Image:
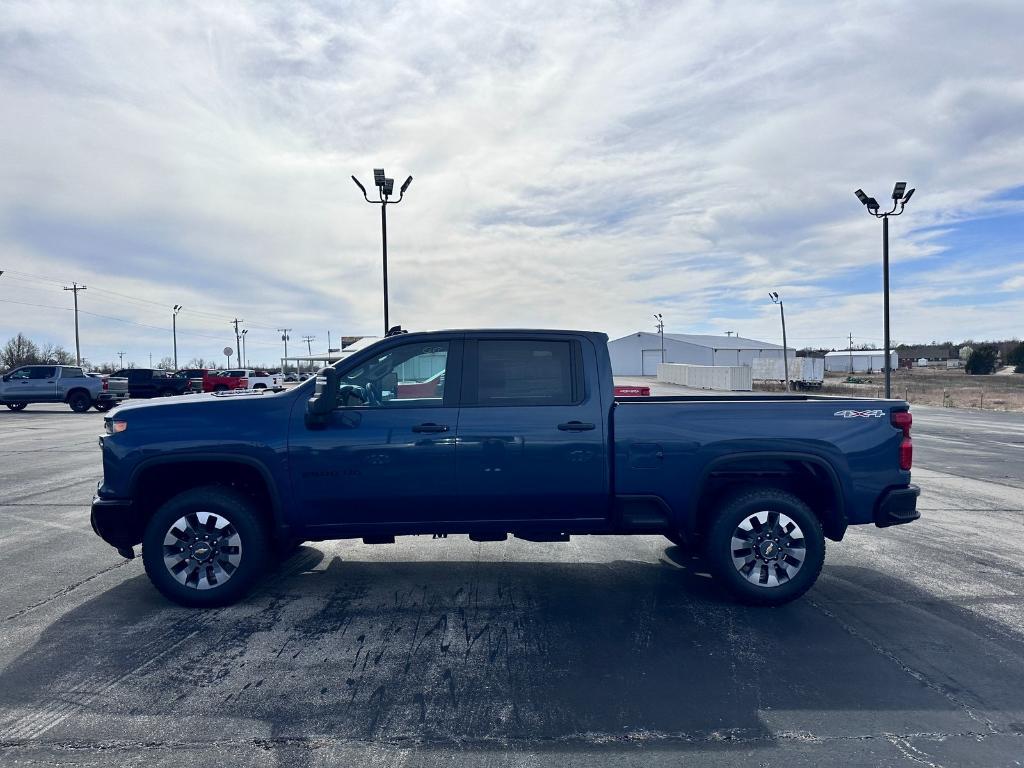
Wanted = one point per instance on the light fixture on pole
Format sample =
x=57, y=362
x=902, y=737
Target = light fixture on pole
x=900, y=197
x=661, y=332
x=174, y=327
x=385, y=188
x=776, y=299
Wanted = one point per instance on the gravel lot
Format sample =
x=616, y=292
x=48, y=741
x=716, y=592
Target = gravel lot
x=605, y=650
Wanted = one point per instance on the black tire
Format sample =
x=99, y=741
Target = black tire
x=16, y=406
x=221, y=388
x=775, y=569
x=103, y=406
x=80, y=402
x=260, y=386
x=242, y=524
x=167, y=393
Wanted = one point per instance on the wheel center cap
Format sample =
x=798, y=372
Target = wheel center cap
x=768, y=549
x=201, y=551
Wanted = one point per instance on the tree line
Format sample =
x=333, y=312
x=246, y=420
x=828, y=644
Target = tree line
x=21, y=350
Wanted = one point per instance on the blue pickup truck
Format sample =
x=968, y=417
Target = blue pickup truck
x=492, y=433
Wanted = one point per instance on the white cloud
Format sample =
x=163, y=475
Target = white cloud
x=575, y=165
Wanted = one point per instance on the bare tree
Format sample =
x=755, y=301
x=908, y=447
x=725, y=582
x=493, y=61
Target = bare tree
x=18, y=351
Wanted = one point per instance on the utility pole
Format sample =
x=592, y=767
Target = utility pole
x=661, y=332
x=121, y=356
x=174, y=330
x=385, y=188
x=238, y=342
x=78, y=347
x=284, y=338
x=150, y=359
x=851, y=351
x=309, y=347
x=245, y=357
x=776, y=299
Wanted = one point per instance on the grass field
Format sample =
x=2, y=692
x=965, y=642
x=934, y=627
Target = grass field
x=929, y=386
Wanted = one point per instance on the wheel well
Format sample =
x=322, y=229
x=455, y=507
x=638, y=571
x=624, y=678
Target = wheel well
x=807, y=480
x=156, y=484
x=76, y=390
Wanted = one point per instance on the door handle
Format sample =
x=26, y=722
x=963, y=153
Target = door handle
x=430, y=427
x=575, y=426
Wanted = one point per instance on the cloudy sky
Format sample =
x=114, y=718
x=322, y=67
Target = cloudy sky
x=576, y=165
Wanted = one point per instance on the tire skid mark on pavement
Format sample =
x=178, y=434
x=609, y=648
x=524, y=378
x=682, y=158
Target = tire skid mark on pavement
x=64, y=591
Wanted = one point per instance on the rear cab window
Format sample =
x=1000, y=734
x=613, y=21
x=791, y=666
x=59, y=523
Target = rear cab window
x=517, y=372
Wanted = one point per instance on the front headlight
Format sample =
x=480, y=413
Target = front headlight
x=113, y=426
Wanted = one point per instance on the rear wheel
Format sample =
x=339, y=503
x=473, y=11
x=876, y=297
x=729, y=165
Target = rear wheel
x=103, y=406
x=220, y=388
x=205, y=547
x=766, y=547
x=80, y=402
x=16, y=406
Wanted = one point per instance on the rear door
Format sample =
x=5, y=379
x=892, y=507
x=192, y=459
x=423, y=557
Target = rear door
x=531, y=443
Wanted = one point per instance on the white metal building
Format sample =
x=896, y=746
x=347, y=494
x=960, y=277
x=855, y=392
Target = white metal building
x=639, y=353
x=860, y=361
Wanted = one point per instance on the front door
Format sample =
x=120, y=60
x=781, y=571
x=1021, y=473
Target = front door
x=41, y=385
x=387, y=454
x=531, y=434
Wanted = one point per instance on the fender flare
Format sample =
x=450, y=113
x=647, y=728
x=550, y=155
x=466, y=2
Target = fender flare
x=834, y=520
x=276, y=509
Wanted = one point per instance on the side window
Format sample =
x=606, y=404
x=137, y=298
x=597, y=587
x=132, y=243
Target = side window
x=42, y=372
x=19, y=375
x=71, y=373
x=526, y=372
x=409, y=375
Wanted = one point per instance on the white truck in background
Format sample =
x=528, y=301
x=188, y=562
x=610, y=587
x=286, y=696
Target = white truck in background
x=804, y=372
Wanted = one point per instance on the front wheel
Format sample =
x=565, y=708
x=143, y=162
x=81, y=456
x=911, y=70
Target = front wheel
x=80, y=402
x=16, y=406
x=766, y=547
x=205, y=547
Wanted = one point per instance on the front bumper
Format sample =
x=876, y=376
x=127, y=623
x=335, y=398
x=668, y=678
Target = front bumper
x=897, y=506
x=114, y=521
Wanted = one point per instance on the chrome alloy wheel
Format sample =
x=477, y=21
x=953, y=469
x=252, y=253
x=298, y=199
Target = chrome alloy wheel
x=202, y=550
x=768, y=548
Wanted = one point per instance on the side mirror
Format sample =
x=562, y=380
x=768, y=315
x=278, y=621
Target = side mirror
x=324, y=400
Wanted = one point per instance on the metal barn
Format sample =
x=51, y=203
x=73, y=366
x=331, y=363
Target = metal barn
x=639, y=353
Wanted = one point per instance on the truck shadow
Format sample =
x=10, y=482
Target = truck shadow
x=429, y=654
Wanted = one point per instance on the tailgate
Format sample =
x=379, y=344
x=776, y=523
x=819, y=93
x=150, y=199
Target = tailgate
x=116, y=384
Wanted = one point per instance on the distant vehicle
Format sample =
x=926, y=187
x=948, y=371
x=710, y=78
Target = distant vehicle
x=804, y=372
x=61, y=384
x=524, y=437
x=240, y=378
x=195, y=377
x=291, y=377
x=153, y=382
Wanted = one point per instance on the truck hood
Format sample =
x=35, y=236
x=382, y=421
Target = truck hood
x=198, y=400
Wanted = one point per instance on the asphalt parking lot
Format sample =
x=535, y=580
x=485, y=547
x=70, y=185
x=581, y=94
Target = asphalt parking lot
x=605, y=650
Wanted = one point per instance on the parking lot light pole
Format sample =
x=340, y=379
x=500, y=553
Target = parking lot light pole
x=776, y=299
x=900, y=197
x=385, y=188
x=174, y=330
x=661, y=332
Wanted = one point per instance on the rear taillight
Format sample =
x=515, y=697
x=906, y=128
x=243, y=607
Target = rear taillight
x=106, y=384
x=903, y=420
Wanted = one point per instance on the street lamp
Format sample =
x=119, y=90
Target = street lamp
x=776, y=299
x=174, y=326
x=900, y=196
x=661, y=331
x=245, y=358
x=385, y=188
